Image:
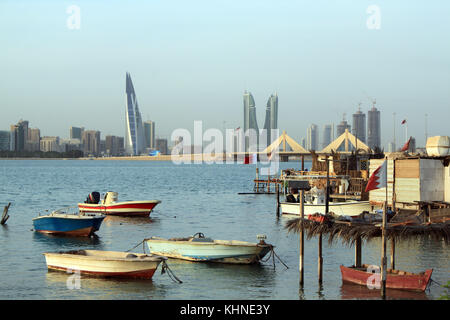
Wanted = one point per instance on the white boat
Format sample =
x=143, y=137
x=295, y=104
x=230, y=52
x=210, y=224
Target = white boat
x=199, y=248
x=104, y=263
x=315, y=203
x=347, y=208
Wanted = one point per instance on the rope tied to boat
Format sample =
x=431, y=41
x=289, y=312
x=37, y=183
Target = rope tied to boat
x=273, y=255
x=165, y=268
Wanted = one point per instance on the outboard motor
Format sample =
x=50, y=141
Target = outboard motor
x=93, y=198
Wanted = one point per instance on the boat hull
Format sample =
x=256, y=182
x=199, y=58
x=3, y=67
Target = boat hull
x=128, y=208
x=69, y=226
x=394, y=280
x=233, y=252
x=104, y=264
x=349, y=208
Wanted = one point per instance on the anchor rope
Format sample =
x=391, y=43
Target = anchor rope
x=273, y=255
x=165, y=268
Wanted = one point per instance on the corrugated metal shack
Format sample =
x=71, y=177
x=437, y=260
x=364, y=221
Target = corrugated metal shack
x=419, y=183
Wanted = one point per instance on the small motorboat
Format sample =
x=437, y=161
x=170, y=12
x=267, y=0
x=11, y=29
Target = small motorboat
x=315, y=203
x=395, y=279
x=200, y=248
x=109, y=205
x=104, y=263
x=65, y=221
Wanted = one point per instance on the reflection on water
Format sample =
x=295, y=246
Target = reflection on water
x=102, y=288
x=357, y=292
x=61, y=243
x=111, y=220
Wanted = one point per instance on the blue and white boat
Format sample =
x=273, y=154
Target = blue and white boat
x=65, y=222
x=200, y=248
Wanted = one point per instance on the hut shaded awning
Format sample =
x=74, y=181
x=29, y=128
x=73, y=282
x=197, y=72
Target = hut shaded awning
x=349, y=232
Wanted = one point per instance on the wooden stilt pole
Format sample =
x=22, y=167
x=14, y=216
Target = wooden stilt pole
x=302, y=245
x=393, y=253
x=278, y=200
x=358, y=253
x=303, y=163
x=320, y=260
x=383, y=254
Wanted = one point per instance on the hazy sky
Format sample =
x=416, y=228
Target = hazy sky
x=192, y=60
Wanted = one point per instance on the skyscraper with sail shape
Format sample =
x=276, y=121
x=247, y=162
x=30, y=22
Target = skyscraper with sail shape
x=134, y=130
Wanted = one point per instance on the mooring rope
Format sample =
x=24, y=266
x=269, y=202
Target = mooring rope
x=143, y=246
x=172, y=275
x=273, y=255
x=164, y=267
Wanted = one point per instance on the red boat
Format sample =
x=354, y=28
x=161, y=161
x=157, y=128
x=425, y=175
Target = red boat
x=395, y=279
x=110, y=206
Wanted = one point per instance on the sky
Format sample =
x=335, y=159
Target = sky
x=193, y=60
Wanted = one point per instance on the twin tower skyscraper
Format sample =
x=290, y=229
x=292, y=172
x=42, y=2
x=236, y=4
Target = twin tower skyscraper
x=250, y=122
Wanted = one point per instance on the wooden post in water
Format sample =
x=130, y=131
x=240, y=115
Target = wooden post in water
x=302, y=245
x=393, y=253
x=278, y=200
x=303, y=163
x=358, y=252
x=257, y=180
x=383, y=252
x=5, y=215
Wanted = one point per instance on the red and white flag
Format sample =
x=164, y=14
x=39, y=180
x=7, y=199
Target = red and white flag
x=378, y=179
x=250, y=159
x=406, y=145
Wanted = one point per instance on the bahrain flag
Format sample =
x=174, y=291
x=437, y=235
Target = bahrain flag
x=378, y=179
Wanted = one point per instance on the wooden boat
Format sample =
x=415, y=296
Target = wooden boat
x=104, y=263
x=199, y=248
x=347, y=208
x=110, y=206
x=395, y=279
x=65, y=222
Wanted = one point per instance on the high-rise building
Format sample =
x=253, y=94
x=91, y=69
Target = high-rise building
x=327, y=136
x=66, y=145
x=76, y=132
x=134, y=131
x=340, y=128
x=113, y=145
x=250, y=122
x=161, y=145
x=4, y=140
x=91, y=142
x=19, y=135
x=34, y=140
x=373, y=128
x=312, y=137
x=149, y=133
x=48, y=144
x=359, y=125
x=271, y=121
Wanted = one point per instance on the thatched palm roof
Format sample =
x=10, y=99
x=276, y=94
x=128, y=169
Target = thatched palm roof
x=350, y=232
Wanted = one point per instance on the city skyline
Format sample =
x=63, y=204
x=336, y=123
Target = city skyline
x=324, y=62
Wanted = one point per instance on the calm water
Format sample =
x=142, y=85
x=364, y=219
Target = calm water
x=195, y=198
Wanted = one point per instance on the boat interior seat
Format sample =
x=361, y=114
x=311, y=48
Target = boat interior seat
x=180, y=239
x=201, y=240
x=130, y=256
